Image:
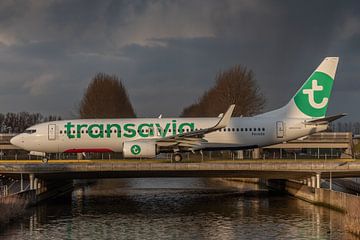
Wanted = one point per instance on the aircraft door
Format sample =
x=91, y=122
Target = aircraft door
x=52, y=131
x=280, y=129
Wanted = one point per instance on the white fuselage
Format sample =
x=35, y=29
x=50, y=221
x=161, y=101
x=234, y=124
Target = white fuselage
x=103, y=135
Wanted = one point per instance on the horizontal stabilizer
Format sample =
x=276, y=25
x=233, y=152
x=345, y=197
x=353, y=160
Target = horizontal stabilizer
x=325, y=120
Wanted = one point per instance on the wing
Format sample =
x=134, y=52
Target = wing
x=193, y=140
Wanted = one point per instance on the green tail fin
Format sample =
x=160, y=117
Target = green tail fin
x=312, y=99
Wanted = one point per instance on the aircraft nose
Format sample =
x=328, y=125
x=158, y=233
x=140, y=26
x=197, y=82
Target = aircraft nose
x=16, y=141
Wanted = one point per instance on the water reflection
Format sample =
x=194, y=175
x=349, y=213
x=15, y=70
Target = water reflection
x=177, y=208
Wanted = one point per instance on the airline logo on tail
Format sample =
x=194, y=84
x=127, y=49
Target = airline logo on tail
x=313, y=97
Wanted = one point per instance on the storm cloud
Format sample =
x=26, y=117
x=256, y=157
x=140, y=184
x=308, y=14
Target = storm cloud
x=168, y=52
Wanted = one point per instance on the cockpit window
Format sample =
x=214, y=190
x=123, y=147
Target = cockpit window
x=30, y=131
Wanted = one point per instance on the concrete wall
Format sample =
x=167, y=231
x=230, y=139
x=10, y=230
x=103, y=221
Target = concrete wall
x=347, y=203
x=25, y=197
x=14, y=205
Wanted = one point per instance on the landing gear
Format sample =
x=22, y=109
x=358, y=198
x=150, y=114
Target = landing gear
x=45, y=160
x=177, y=157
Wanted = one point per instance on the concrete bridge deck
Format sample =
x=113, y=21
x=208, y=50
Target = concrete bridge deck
x=87, y=169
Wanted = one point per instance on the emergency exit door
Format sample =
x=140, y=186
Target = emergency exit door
x=280, y=129
x=52, y=132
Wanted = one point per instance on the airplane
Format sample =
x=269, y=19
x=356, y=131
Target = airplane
x=303, y=115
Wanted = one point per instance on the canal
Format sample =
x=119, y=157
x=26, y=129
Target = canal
x=176, y=208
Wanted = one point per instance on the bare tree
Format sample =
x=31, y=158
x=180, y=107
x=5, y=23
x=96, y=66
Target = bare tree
x=106, y=97
x=236, y=85
x=18, y=122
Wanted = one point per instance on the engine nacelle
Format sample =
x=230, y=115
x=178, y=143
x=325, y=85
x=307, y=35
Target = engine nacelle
x=139, y=149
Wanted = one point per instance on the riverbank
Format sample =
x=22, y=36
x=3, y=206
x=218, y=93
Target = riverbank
x=347, y=203
x=14, y=205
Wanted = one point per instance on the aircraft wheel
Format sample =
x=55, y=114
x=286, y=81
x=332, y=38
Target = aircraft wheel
x=177, y=157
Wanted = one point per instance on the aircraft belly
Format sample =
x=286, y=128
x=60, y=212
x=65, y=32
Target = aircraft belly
x=90, y=146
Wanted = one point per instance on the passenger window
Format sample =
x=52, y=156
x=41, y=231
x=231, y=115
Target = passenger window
x=242, y=129
x=263, y=129
x=64, y=131
x=60, y=131
x=254, y=129
x=245, y=129
x=224, y=129
x=233, y=129
x=237, y=129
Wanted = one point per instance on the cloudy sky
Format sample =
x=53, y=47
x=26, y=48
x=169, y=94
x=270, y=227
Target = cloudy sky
x=168, y=52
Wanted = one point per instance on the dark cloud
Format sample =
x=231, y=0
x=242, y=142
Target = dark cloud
x=168, y=52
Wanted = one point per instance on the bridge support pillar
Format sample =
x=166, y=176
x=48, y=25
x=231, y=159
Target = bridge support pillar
x=42, y=186
x=39, y=185
x=31, y=180
x=313, y=181
x=318, y=180
x=308, y=182
x=21, y=182
x=36, y=183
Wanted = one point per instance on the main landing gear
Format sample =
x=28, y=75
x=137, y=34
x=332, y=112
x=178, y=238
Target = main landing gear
x=177, y=157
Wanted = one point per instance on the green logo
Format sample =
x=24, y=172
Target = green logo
x=127, y=130
x=313, y=97
x=135, y=149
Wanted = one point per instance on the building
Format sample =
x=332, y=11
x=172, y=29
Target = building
x=319, y=145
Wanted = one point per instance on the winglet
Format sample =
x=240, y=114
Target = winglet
x=224, y=121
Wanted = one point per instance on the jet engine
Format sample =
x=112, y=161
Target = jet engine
x=137, y=149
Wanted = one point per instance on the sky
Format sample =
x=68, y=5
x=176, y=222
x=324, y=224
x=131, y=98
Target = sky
x=167, y=53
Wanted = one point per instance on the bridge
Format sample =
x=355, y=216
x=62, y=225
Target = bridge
x=54, y=178
x=87, y=169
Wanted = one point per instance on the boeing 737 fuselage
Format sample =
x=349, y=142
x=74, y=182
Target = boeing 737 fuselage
x=147, y=137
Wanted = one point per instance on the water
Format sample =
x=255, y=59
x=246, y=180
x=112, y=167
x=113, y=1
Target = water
x=176, y=209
